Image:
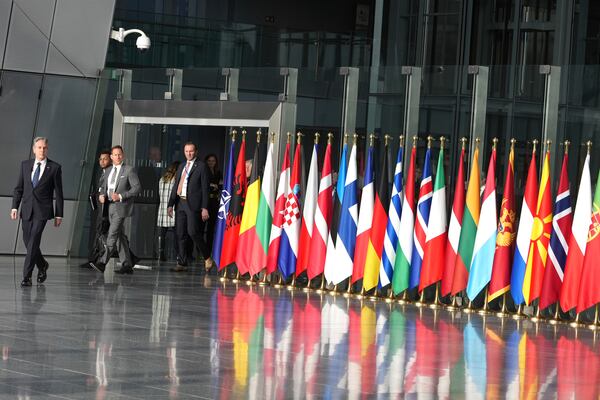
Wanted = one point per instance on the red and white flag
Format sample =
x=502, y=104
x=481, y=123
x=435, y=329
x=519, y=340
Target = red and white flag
x=322, y=221
x=308, y=214
x=569, y=291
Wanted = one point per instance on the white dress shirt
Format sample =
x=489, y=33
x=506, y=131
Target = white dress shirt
x=112, y=186
x=185, y=175
x=42, y=167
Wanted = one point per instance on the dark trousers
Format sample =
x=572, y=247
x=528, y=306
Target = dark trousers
x=189, y=225
x=32, y=237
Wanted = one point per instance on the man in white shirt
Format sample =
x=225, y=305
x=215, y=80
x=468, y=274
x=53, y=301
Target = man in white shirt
x=190, y=197
x=118, y=188
x=39, y=181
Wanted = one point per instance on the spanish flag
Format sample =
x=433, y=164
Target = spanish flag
x=248, y=244
x=540, y=237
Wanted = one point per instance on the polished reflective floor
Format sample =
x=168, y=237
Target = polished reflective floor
x=161, y=335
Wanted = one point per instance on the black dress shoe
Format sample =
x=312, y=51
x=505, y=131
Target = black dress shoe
x=98, y=266
x=41, y=277
x=124, y=270
x=26, y=282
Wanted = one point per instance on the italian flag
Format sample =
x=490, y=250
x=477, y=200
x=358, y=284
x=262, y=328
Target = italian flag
x=433, y=258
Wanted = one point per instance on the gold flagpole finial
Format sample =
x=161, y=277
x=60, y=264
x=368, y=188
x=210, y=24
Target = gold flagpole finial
x=429, y=141
x=387, y=139
x=317, y=136
x=329, y=138
x=589, y=146
x=355, y=138
x=548, y=144
x=442, y=142
x=494, y=143
x=243, y=134
x=233, y=133
x=415, y=139
x=299, y=136
x=346, y=136
x=512, y=143
x=567, y=143
x=258, y=134
x=535, y=142
x=401, y=141
x=463, y=142
x=372, y=139
x=289, y=136
x=272, y=137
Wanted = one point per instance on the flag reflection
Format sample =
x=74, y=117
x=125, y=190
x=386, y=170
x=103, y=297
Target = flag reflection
x=275, y=344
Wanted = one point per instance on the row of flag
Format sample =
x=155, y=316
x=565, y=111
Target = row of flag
x=387, y=240
x=305, y=347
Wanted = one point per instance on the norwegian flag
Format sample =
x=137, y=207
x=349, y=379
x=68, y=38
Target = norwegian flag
x=561, y=234
x=422, y=220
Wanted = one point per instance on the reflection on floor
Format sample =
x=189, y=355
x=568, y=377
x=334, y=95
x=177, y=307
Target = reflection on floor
x=158, y=334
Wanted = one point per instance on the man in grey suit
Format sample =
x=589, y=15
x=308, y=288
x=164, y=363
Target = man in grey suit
x=39, y=181
x=118, y=188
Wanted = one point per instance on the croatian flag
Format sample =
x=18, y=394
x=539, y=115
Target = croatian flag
x=288, y=253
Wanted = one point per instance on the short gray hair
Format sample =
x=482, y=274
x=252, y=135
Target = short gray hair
x=38, y=138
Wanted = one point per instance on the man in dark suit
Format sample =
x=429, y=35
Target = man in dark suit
x=39, y=181
x=190, y=199
x=118, y=187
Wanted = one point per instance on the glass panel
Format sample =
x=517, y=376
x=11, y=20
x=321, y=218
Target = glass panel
x=64, y=117
x=18, y=105
x=26, y=46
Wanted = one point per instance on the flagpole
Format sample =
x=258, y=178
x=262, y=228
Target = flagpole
x=594, y=325
x=421, y=300
x=436, y=302
x=556, y=319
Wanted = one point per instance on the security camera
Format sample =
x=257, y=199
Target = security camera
x=142, y=42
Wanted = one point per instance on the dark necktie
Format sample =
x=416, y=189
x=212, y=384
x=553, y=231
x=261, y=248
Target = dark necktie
x=113, y=178
x=36, y=175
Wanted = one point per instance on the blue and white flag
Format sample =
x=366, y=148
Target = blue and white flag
x=338, y=265
x=223, y=207
x=392, y=231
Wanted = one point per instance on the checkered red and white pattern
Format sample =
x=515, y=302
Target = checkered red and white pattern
x=292, y=211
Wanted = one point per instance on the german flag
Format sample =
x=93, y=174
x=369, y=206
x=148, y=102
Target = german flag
x=375, y=249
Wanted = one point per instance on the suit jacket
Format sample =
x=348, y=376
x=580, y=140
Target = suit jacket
x=37, y=203
x=197, y=186
x=127, y=185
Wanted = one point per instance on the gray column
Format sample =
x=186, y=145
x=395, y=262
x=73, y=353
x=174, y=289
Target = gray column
x=175, y=80
x=412, y=102
x=350, y=99
x=550, y=117
x=232, y=77
x=478, y=109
